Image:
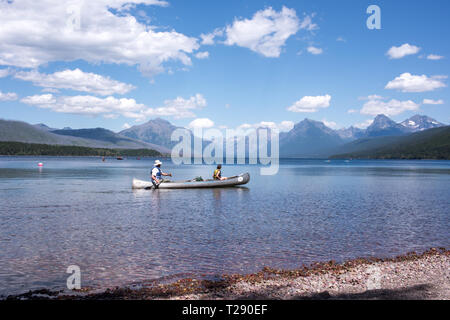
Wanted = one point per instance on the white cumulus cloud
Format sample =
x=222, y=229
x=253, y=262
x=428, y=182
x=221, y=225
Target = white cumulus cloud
x=76, y=80
x=10, y=96
x=87, y=105
x=434, y=57
x=286, y=125
x=202, y=55
x=34, y=33
x=311, y=104
x=330, y=124
x=402, y=51
x=307, y=23
x=179, y=107
x=390, y=108
x=407, y=82
x=431, y=101
x=111, y=107
x=314, y=50
x=208, y=38
x=266, y=32
x=201, y=123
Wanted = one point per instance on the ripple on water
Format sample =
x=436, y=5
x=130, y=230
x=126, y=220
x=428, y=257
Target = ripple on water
x=77, y=212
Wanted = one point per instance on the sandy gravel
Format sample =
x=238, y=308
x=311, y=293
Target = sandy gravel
x=427, y=277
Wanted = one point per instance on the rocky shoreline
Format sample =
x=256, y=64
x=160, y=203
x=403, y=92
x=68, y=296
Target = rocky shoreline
x=410, y=276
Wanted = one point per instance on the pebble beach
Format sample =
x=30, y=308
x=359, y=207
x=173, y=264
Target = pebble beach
x=412, y=276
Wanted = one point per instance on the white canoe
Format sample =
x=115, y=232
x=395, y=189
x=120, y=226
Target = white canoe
x=230, y=182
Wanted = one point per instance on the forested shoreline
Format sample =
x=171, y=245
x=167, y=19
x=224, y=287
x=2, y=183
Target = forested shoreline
x=32, y=149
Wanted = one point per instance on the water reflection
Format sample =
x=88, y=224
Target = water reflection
x=84, y=212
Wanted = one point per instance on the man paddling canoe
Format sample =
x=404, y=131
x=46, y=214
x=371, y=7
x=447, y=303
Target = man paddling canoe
x=157, y=174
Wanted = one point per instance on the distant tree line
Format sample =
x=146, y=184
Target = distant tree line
x=419, y=155
x=33, y=149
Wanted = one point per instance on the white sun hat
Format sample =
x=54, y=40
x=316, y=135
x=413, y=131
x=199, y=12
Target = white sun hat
x=157, y=162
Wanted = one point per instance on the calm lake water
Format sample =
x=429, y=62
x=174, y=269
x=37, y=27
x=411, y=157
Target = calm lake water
x=83, y=212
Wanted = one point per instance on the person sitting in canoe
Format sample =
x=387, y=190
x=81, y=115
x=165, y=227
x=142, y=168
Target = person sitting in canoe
x=157, y=174
x=218, y=173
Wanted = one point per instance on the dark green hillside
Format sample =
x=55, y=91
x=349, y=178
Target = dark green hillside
x=428, y=144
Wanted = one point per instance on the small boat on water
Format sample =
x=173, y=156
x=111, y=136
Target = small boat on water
x=119, y=158
x=191, y=184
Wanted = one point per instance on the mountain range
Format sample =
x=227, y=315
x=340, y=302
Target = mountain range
x=312, y=139
x=307, y=139
x=95, y=138
x=157, y=131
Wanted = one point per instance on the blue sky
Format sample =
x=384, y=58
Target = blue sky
x=115, y=64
